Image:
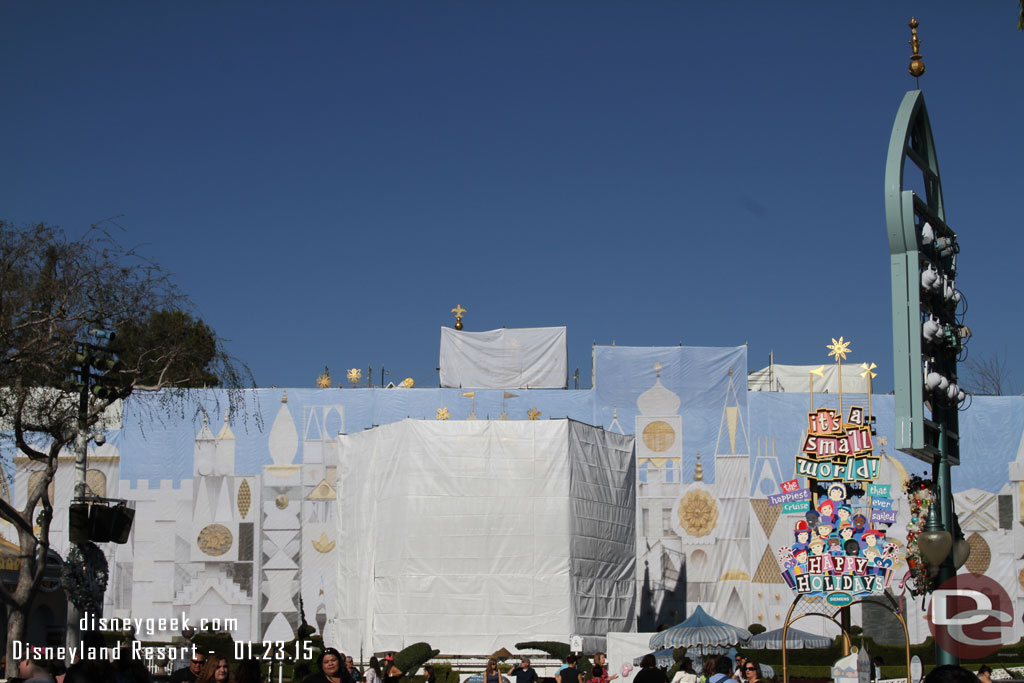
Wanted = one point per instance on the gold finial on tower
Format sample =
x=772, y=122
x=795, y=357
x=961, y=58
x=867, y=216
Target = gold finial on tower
x=458, y=311
x=324, y=380
x=698, y=471
x=916, y=64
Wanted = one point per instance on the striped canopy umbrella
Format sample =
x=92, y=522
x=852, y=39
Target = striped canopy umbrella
x=795, y=638
x=701, y=634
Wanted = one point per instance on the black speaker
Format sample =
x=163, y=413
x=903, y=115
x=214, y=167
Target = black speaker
x=101, y=519
x=122, y=524
x=78, y=523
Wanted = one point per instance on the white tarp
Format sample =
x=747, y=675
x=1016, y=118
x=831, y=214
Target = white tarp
x=526, y=357
x=797, y=378
x=475, y=535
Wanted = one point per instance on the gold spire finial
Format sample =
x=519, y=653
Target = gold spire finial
x=916, y=64
x=458, y=311
x=324, y=380
x=698, y=471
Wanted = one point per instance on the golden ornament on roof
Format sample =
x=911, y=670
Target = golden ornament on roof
x=459, y=311
x=443, y=414
x=354, y=375
x=408, y=383
x=324, y=380
x=533, y=414
x=838, y=349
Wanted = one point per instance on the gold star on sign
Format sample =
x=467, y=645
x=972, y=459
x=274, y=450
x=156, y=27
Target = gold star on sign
x=533, y=413
x=868, y=370
x=838, y=349
x=443, y=414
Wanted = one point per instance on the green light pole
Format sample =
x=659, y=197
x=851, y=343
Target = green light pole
x=928, y=331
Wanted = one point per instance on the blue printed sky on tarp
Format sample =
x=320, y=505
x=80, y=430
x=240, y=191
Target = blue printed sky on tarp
x=156, y=445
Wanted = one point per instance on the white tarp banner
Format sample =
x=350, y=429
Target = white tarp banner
x=797, y=378
x=526, y=357
x=475, y=535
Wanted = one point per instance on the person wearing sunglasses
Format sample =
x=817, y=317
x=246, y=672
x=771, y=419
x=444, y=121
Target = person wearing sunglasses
x=751, y=671
x=191, y=672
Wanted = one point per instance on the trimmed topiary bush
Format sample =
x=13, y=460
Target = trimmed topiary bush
x=413, y=657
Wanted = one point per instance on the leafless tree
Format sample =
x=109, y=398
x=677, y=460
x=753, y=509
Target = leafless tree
x=988, y=376
x=53, y=292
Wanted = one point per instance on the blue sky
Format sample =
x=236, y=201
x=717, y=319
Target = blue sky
x=327, y=179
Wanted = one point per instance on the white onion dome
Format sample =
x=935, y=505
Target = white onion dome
x=658, y=400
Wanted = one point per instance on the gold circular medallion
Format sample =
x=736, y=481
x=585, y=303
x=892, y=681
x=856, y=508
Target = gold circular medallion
x=659, y=436
x=698, y=513
x=215, y=540
x=281, y=501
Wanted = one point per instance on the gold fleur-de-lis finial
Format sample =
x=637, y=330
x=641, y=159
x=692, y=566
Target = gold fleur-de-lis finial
x=324, y=380
x=869, y=370
x=916, y=68
x=838, y=349
x=354, y=375
x=443, y=414
x=459, y=311
x=533, y=414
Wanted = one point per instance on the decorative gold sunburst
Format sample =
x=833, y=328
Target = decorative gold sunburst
x=354, y=375
x=324, y=381
x=838, y=349
x=533, y=414
x=214, y=539
x=443, y=414
x=698, y=513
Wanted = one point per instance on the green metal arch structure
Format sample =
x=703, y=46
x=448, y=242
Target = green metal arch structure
x=917, y=425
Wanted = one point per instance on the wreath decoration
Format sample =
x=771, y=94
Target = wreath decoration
x=84, y=577
x=920, y=494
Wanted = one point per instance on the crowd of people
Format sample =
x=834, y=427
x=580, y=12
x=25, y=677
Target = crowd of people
x=333, y=666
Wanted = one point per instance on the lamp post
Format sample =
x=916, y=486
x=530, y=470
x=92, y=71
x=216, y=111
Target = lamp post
x=929, y=334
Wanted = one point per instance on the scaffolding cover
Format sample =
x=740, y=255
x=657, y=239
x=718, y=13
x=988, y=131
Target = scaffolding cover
x=471, y=535
x=526, y=357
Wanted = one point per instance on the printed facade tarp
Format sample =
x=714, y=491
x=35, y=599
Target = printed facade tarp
x=239, y=519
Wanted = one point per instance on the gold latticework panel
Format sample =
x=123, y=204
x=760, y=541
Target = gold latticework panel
x=981, y=554
x=768, y=571
x=244, y=499
x=767, y=514
x=659, y=436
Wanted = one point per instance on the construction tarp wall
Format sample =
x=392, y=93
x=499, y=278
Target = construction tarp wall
x=797, y=378
x=527, y=357
x=473, y=535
